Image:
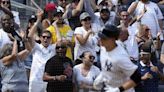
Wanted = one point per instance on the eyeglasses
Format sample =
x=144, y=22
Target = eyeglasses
x=62, y=47
x=5, y=2
x=87, y=19
x=48, y=37
x=91, y=57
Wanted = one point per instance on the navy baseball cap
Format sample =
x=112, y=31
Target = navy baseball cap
x=109, y=31
x=104, y=8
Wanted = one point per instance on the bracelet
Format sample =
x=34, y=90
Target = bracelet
x=121, y=89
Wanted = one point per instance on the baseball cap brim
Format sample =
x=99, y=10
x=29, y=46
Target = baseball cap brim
x=144, y=53
x=84, y=15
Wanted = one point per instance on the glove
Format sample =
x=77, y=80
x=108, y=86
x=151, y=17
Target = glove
x=111, y=89
x=98, y=83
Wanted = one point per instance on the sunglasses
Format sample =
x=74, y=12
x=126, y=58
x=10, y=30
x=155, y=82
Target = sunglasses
x=87, y=19
x=91, y=57
x=147, y=29
x=48, y=37
x=5, y=2
x=62, y=47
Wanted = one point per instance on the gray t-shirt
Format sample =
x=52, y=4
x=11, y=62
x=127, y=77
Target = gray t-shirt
x=162, y=49
x=14, y=77
x=1, y=14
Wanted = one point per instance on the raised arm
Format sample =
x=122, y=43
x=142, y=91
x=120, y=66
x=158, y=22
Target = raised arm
x=132, y=7
x=23, y=54
x=93, y=4
x=34, y=28
x=89, y=9
x=7, y=11
x=71, y=11
x=161, y=2
x=78, y=9
x=7, y=60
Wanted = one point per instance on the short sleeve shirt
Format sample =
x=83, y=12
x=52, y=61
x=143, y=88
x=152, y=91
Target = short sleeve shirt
x=4, y=38
x=40, y=56
x=91, y=43
x=14, y=77
x=162, y=49
x=116, y=66
x=91, y=76
x=58, y=66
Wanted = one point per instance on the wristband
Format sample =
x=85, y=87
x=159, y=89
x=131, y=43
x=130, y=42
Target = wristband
x=121, y=89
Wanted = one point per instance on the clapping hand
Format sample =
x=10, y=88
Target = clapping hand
x=147, y=76
x=90, y=31
x=61, y=77
x=154, y=69
x=68, y=71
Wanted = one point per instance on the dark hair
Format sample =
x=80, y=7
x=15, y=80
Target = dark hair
x=111, y=31
x=46, y=31
x=75, y=0
x=83, y=54
x=122, y=10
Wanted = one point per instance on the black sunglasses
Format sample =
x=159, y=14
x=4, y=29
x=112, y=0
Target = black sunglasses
x=62, y=47
x=91, y=57
x=48, y=37
x=5, y=2
x=147, y=29
x=87, y=19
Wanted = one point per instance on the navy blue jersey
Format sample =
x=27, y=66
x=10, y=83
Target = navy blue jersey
x=149, y=85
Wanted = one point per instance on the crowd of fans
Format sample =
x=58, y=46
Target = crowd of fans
x=65, y=44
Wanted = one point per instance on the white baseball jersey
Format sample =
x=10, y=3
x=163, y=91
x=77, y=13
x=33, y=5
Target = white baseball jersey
x=116, y=67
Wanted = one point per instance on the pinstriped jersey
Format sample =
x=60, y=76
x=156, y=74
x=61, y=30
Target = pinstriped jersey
x=116, y=66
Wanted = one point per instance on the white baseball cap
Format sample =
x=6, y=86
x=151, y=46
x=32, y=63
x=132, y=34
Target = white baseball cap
x=99, y=1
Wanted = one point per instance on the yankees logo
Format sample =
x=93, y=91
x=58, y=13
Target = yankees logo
x=108, y=65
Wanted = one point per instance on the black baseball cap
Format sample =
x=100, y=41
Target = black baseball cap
x=109, y=31
x=32, y=18
x=58, y=11
x=104, y=8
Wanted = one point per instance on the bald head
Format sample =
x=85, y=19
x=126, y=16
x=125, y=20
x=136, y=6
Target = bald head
x=61, y=49
x=123, y=36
